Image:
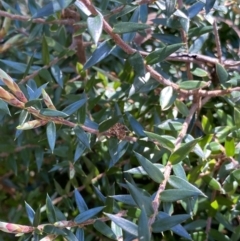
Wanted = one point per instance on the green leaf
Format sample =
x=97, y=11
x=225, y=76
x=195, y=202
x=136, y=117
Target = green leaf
x=45, y=51
x=84, y=216
x=82, y=136
x=136, y=61
x=95, y=25
x=153, y=172
x=172, y=195
x=104, y=229
x=37, y=217
x=51, y=135
x=212, y=183
x=182, y=152
x=178, y=182
x=136, y=126
x=80, y=148
x=82, y=206
x=50, y=229
x=167, y=223
x=69, y=236
x=72, y=108
x=192, y=84
x=182, y=108
x=53, y=113
x=57, y=74
x=229, y=146
x=162, y=140
x=200, y=72
x=178, y=229
x=125, y=224
x=222, y=74
x=128, y=27
x=101, y=52
x=127, y=199
x=162, y=53
x=140, y=171
x=4, y=107
x=30, y=212
x=236, y=114
x=116, y=150
x=167, y=97
x=140, y=199
x=143, y=229
x=50, y=210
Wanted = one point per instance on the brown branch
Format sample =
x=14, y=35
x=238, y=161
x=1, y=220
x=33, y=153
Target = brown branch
x=35, y=20
x=31, y=76
x=157, y=201
x=217, y=39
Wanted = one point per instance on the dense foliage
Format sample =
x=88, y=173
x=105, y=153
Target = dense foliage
x=119, y=120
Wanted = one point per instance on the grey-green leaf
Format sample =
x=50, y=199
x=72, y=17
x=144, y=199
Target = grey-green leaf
x=153, y=172
x=125, y=224
x=51, y=135
x=127, y=27
x=53, y=113
x=95, y=24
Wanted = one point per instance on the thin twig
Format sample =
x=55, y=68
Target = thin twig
x=31, y=76
x=217, y=39
x=35, y=20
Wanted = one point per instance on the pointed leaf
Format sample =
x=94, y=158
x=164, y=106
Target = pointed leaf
x=45, y=51
x=4, y=107
x=178, y=182
x=222, y=74
x=167, y=223
x=140, y=171
x=140, y=199
x=127, y=27
x=101, y=52
x=104, y=229
x=72, y=108
x=162, y=140
x=84, y=216
x=162, y=53
x=82, y=136
x=153, y=172
x=172, y=195
x=51, y=135
x=192, y=84
x=178, y=229
x=53, y=113
x=167, y=97
x=50, y=210
x=95, y=25
x=30, y=212
x=143, y=229
x=182, y=152
x=125, y=224
x=57, y=74
x=136, y=126
x=82, y=206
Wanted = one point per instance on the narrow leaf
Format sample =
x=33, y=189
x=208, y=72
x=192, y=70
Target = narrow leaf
x=153, y=172
x=30, y=212
x=51, y=135
x=95, y=25
x=182, y=152
x=167, y=223
x=125, y=224
x=82, y=206
x=53, y=113
x=127, y=27
x=84, y=216
x=140, y=199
